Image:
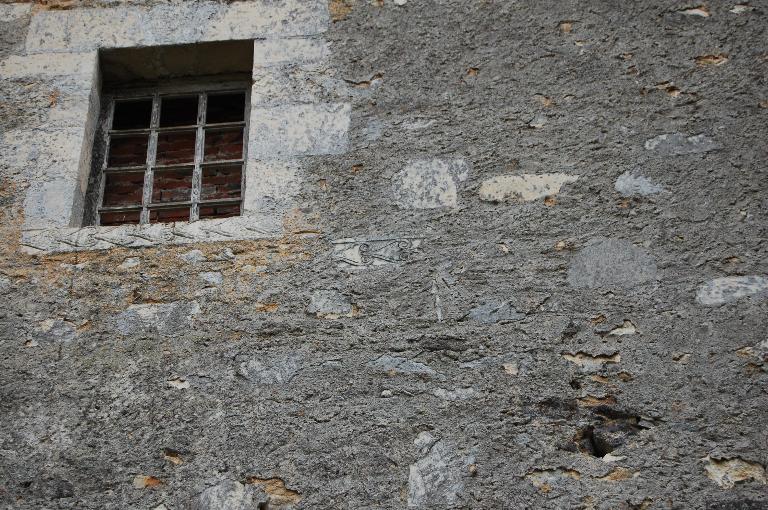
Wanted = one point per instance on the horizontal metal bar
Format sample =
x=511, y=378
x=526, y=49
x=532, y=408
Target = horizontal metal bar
x=124, y=169
x=223, y=162
x=168, y=205
x=221, y=201
x=179, y=166
x=127, y=208
x=170, y=129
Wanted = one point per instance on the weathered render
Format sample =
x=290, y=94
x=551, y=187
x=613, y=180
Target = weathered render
x=494, y=254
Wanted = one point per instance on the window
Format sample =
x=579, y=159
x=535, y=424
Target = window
x=173, y=156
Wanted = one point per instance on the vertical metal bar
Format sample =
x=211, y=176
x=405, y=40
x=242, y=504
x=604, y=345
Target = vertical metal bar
x=246, y=136
x=197, y=173
x=146, y=197
x=105, y=162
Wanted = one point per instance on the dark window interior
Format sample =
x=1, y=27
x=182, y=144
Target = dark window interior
x=172, y=143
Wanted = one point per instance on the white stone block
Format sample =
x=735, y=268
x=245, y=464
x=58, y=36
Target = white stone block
x=176, y=23
x=50, y=65
x=298, y=130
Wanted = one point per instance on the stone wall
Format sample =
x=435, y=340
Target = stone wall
x=501, y=255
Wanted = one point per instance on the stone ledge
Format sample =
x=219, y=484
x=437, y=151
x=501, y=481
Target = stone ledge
x=241, y=228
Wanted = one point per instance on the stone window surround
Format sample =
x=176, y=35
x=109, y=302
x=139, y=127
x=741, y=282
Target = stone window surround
x=296, y=124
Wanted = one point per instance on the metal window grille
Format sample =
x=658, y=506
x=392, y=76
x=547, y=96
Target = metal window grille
x=185, y=164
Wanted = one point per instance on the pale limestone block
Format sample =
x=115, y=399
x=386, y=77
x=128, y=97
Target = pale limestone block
x=289, y=83
x=50, y=65
x=298, y=130
x=270, y=186
x=177, y=23
x=49, y=204
x=56, y=240
x=526, y=187
x=41, y=152
x=731, y=288
x=272, y=52
x=14, y=11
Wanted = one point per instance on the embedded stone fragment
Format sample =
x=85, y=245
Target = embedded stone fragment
x=429, y=184
x=491, y=313
x=436, y=480
x=544, y=479
x=393, y=364
x=229, y=495
x=611, y=262
x=280, y=497
x=271, y=371
x=162, y=318
x=526, y=187
x=211, y=278
x=192, y=256
x=727, y=472
x=678, y=144
x=731, y=288
x=629, y=185
x=329, y=304
x=358, y=253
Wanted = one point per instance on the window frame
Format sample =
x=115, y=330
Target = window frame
x=203, y=90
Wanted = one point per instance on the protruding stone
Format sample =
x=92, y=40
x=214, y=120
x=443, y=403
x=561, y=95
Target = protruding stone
x=491, y=313
x=611, y=263
x=678, y=144
x=526, y=187
x=629, y=185
x=329, y=304
x=731, y=288
x=229, y=495
x=728, y=472
x=268, y=371
x=436, y=480
x=163, y=318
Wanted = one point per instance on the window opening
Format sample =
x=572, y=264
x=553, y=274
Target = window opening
x=174, y=157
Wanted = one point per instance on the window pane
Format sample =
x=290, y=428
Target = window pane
x=226, y=108
x=219, y=211
x=221, y=182
x=172, y=185
x=178, y=111
x=120, y=218
x=168, y=215
x=223, y=144
x=128, y=150
x=176, y=148
x=121, y=189
x=135, y=114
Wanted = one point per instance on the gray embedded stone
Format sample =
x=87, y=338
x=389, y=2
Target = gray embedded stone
x=437, y=479
x=193, y=256
x=229, y=495
x=731, y=288
x=56, y=330
x=429, y=184
x=629, y=185
x=169, y=319
x=388, y=363
x=678, y=144
x=526, y=187
x=329, y=304
x=491, y=313
x=212, y=278
x=267, y=371
x=611, y=263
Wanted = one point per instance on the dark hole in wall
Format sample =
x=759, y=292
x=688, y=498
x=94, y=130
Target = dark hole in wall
x=178, y=111
x=225, y=108
x=136, y=114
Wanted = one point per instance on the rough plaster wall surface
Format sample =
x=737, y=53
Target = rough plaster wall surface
x=532, y=273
